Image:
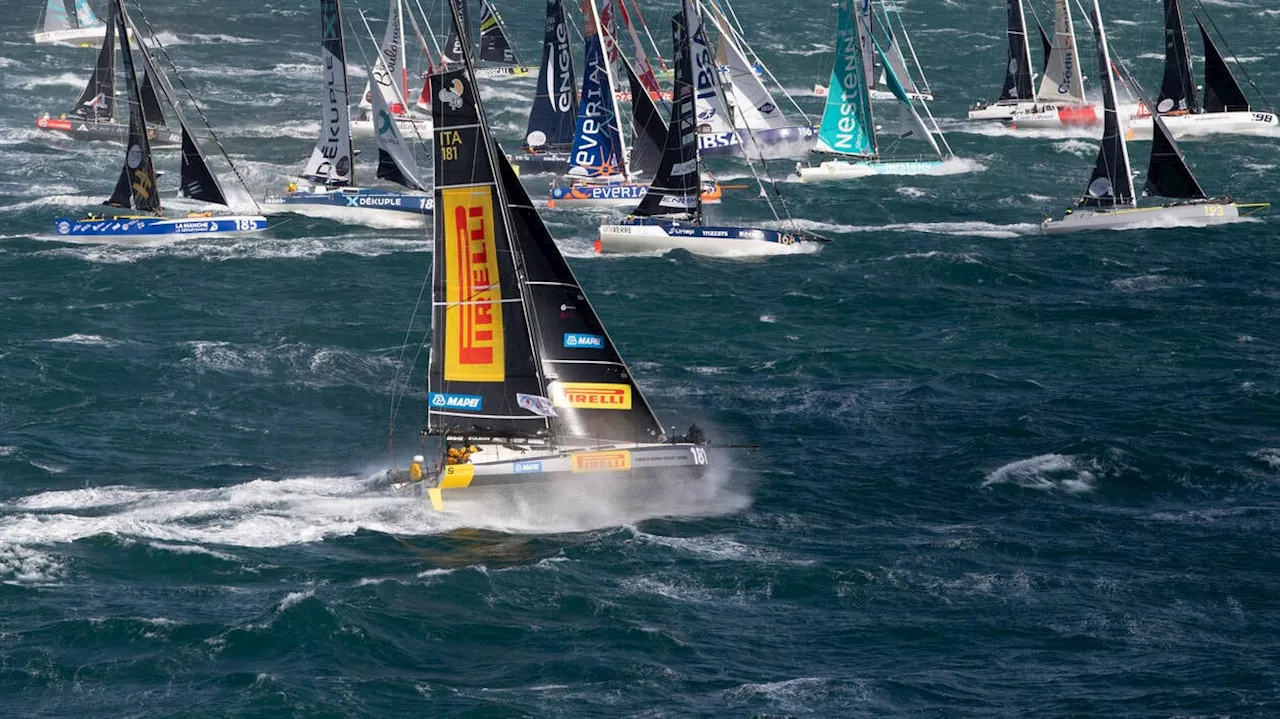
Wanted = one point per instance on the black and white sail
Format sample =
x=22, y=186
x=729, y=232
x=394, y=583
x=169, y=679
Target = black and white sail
x=1046, y=45
x=676, y=189
x=517, y=350
x=331, y=162
x=452, y=50
x=1112, y=180
x=648, y=129
x=98, y=101
x=553, y=116
x=1178, y=89
x=136, y=187
x=1168, y=174
x=150, y=101
x=395, y=155
x=1221, y=91
x=494, y=45
x=1017, y=77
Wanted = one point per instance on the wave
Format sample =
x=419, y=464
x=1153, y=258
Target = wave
x=88, y=340
x=964, y=229
x=1046, y=472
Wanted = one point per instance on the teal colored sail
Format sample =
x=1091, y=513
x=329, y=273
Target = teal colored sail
x=847, y=126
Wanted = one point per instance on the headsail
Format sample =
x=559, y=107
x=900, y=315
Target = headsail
x=98, y=100
x=676, y=188
x=648, y=131
x=1046, y=45
x=847, y=125
x=331, y=161
x=1017, y=77
x=866, y=40
x=395, y=156
x=389, y=71
x=84, y=15
x=136, y=187
x=598, y=149
x=494, y=45
x=150, y=102
x=912, y=125
x=1221, y=91
x=1168, y=174
x=551, y=121
x=56, y=17
x=1112, y=179
x=1178, y=90
x=753, y=106
x=198, y=182
x=1062, y=81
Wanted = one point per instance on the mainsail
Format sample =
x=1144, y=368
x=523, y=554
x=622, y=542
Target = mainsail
x=754, y=107
x=98, y=100
x=551, y=121
x=389, y=70
x=598, y=149
x=642, y=66
x=331, y=161
x=847, y=125
x=1112, y=179
x=453, y=42
x=511, y=326
x=56, y=17
x=866, y=41
x=494, y=45
x=84, y=15
x=712, y=111
x=1017, y=77
x=676, y=188
x=1221, y=91
x=1178, y=90
x=1062, y=81
x=395, y=156
x=136, y=187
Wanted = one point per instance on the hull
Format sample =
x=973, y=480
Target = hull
x=83, y=131
x=793, y=141
x=84, y=36
x=621, y=194
x=505, y=71
x=877, y=94
x=1205, y=123
x=409, y=127
x=702, y=240
x=108, y=229
x=1057, y=116
x=846, y=170
x=534, y=162
x=357, y=205
x=1213, y=212
x=1000, y=110
x=507, y=467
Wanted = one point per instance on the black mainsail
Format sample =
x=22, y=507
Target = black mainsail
x=452, y=51
x=1017, y=80
x=676, y=189
x=1221, y=91
x=1046, y=45
x=136, y=187
x=1112, y=180
x=150, y=102
x=98, y=101
x=1177, y=90
x=494, y=45
x=649, y=131
x=553, y=117
x=1168, y=174
x=517, y=350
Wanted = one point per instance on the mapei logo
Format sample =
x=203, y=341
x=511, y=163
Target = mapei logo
x=526, y=467
x=591, y=395
x=583, y=342
x=614, y=461
x=440, y=400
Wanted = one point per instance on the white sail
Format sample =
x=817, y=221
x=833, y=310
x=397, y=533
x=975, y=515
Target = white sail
x=389, y=70
x=331, y=161
x=753, y=106
x=710, y=103
x=1062, y=81
x=395, y=156
x=55, y=17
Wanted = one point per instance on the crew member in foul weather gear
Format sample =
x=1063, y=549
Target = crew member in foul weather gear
x=461, y=454
x=415, y=469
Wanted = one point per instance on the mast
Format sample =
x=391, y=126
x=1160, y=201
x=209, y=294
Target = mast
x=1062, y=81
x=331, y=161
x=1177, y=90
x=847, y=126
x=1111, y=183
x=1017, y=78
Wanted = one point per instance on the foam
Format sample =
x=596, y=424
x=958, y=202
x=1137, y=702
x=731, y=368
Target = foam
x=1045, y=472
x=965, y=229
x=88, y=340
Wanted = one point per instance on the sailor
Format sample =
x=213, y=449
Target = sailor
x=415, y=468
x=460, y=454
x=293, y=187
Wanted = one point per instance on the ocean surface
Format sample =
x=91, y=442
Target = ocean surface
x=1001, y=474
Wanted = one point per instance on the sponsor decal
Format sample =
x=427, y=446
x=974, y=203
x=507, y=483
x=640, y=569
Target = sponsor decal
x=64, y=227
x=581, y=341
x=439, y=400
x=707, y=141
x=452, y=95
x=613, y=461
x=591, y=395
x=473, y=318
x=526, y=467
x=537, y=404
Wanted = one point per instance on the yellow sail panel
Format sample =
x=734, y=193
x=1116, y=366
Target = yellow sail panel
x=473, y=319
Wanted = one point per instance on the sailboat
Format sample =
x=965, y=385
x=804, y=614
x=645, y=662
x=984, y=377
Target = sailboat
x=390, y=79
x=1109, y=201
x=601, y=170
x=670, y=213
x=94, y=115
x=136, y=189
x=521, y=368
x=77, y=26
x=497, y=53
x=1059, y=101
x=879, y=82
x=549, y=135
x=1225, y=108
x=848, y=128
x=332, y=191
x=1016, y=93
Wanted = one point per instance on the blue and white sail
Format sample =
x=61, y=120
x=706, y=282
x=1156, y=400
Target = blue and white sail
x=753, y=105
x=713, y=114
x=848, y=127
x=332, y=162
x=598, y=147
x=551, y=120
x=85, y=16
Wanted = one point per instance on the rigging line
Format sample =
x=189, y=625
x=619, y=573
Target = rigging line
x=164, y=51
x=431, y=33
x=912, y=48
x=502, y=27
x=396, y=399
x=742, y=43
x=645, y=25
x=391, y=73
x=1240, y=65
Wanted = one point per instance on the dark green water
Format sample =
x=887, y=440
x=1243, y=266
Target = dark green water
x=1002, y=474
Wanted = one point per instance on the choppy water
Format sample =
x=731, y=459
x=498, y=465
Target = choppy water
x=1002, y=474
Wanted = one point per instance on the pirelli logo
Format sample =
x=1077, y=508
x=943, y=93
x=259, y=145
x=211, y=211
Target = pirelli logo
x=590, y=395
x=614, y=461
x=473, y=317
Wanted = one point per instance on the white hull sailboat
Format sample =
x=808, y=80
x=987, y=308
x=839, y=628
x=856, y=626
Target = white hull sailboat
x=1016, y=93
x=1110, y=202
x=1059, y=101
x=1205, y=123
x=525, y=389
x=75, y=25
